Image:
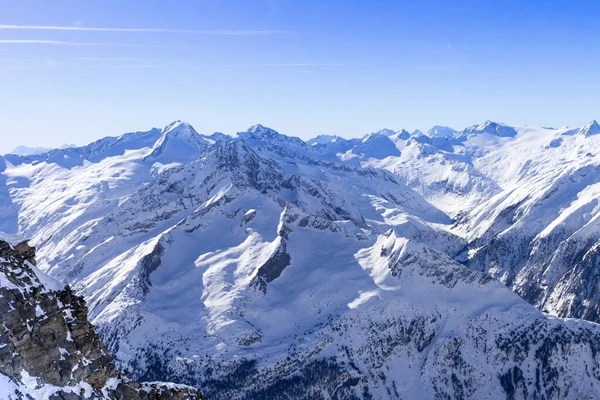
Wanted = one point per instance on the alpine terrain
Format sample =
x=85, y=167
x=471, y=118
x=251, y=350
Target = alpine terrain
x=440, y=265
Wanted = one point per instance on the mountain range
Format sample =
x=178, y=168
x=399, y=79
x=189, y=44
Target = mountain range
x=446, y=264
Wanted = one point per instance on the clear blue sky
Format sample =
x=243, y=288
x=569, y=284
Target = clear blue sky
x=303, y=67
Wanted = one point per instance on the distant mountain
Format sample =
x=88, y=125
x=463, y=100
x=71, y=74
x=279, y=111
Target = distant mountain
x=178, y=142
x=384, y=132
x=376, y=145
x=323, y=140
x=28, y=151
x=492, y=128
x=442, y=132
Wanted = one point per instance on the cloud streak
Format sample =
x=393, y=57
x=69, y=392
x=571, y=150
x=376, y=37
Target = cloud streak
x=130, y=66
x=204, y=63
x=290, y=65
x=53, y=42
x=142, y=30
x=69, y=43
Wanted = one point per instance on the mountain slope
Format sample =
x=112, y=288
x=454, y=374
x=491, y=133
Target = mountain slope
x=523, y=197
x=48, y=349
x=436, y=169
x=539, y=234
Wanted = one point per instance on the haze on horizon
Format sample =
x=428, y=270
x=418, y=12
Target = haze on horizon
x=72, y=72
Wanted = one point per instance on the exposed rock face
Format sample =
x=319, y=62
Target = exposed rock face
x=273, y=267
x=48, y=349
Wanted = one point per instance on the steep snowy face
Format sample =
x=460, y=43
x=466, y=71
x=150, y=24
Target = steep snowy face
x=179, y=142
x=538, y=234
x=590, y=129
x=326, y=162
x=376, y=145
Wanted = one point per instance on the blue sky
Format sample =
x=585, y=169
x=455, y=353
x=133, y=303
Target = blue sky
x=75, y=71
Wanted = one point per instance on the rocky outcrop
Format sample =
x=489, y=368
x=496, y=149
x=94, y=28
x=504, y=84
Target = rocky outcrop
x=273, y=267
x=48, y=349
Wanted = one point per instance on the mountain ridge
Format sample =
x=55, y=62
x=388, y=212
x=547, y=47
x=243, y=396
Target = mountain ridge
x=437, y=228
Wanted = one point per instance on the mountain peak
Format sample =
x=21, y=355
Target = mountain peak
x=259, y=135
x=323, y=139
x=217, y=136
x=261, y=130
x=384, y=132
x=179, y=142
x=376, y=146
x=179, y=128
x=492, y=128
x=403, y=134
x=593, y=128
x=442, y=132
x=488, y=126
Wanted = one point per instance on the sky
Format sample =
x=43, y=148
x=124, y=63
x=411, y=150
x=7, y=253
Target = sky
x=75, y=71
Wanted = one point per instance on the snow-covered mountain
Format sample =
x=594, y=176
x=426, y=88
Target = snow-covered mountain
x=491, y=128
x=263, y=266
x=593, y=128
x=525, y=200
x=539, y=234
x=442, y=132
x=30, y=151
